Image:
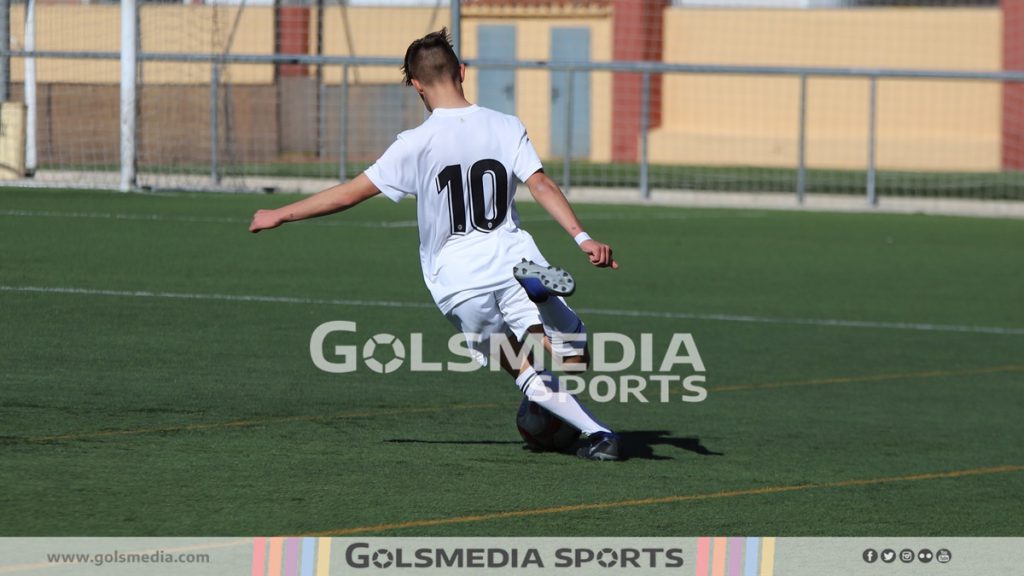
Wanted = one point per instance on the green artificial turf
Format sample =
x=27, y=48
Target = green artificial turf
x=140, y=395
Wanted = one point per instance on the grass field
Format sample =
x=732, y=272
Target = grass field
x=865, y=377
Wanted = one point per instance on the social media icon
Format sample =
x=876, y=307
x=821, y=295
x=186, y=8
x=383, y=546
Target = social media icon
x=924, y=555
x=888, y=556
x=870, y=556
x=906, y=555
x=943, y=555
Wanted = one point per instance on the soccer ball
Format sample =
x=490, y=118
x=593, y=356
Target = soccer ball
x=542, y=430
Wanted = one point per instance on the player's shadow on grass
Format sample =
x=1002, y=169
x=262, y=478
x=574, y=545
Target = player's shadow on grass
x=641, y=443
x=636, y=444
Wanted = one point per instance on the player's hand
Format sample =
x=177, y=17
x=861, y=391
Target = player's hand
x=600, y=254
x=265, y=220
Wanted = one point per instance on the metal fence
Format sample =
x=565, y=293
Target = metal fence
x=615, y=93
x=336, y=114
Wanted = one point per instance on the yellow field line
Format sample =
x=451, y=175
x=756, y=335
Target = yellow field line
x=592, y=506
x=258, y=422
x=397, y=411
x=662, y=500
x=872, y=378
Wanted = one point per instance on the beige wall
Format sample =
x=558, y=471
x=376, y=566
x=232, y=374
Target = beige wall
x=374, y=32
x=170, y=28
x=60, y=27
x=745, y=120
x=728, y=120
x=206, y=29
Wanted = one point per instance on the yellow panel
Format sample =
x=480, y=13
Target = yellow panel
x=750, y=120
x=12, y=140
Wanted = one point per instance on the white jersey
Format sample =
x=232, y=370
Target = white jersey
x=462, y=165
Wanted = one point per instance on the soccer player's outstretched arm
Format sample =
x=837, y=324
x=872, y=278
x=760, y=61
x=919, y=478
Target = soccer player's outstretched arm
x=334, y=199
x=550, y=196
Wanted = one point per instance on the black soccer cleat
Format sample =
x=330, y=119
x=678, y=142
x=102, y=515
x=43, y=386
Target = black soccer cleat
x=540, y=282
x=601, y=446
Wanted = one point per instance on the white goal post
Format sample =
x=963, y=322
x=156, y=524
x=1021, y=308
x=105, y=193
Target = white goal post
x=129, y=45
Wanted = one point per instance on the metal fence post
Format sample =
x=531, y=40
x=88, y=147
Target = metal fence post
x=645, y=125
x=5, y=43
x=31, y=92
x=321, y=88
x=321, y=118
x=214, y=132
x=801, y=170
x=343, y=127
x=456, y=26
x=872, y=120
x=567, y=160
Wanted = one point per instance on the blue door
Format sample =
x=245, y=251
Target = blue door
x=496, y=87
x=570, y=45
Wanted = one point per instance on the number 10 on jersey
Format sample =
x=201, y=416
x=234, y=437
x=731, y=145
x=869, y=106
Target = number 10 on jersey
x=450, y=179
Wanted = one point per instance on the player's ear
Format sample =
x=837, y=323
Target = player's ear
x=419, y=87
x=462, y=72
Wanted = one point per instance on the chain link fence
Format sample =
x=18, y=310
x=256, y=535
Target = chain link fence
x=617, y=94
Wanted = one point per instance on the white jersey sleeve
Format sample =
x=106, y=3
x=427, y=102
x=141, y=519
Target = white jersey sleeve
x=391, y=174
x=526, y=161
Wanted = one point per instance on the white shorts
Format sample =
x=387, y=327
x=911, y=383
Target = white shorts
x=508, y=311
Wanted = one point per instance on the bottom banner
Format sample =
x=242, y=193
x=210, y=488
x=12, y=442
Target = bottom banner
x=706, y=556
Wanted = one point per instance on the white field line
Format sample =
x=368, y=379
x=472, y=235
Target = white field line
x=825, y=322
x=335, y=221
x=213, y=297
x=922, y=327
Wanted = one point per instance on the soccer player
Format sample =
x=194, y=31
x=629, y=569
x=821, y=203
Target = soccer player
x=485, y=273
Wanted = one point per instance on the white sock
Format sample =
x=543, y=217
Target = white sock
x=544, y=389
x=563, y=327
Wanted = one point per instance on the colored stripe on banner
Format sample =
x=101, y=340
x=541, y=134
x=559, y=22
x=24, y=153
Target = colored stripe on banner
x=736, y=556
x=274, y=558
x=323, y=557
x=718, y=550
x=308, y=556
x=750, y=564
x=703, y=551
x=767, y=556
x=291, y=557
x=259, y=556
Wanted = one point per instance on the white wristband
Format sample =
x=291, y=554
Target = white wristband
x=581, y=238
